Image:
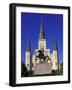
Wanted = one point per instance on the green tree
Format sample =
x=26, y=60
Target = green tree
x=24, y=70
x=61, y=68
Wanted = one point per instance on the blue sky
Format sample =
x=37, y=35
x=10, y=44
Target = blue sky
x=30, y=29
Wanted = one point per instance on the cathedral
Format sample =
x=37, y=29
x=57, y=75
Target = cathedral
x=42, y=61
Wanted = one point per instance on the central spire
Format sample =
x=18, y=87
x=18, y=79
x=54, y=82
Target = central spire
x=42, y=36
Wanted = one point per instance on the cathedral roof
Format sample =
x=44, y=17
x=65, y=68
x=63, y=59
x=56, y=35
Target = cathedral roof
x=42, y=35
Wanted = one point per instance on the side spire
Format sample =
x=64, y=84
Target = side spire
x=28, y=46
x=55, y=45
x=42, y=35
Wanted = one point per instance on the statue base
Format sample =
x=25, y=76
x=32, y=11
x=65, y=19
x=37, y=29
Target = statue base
x=42, y=68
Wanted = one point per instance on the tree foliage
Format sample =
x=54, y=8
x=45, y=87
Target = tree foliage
x=61, y=68
x=23, y=70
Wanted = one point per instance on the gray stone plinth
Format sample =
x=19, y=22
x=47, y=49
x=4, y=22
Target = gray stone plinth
x=42, y=68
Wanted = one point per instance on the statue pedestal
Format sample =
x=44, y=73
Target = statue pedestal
x=42, y=68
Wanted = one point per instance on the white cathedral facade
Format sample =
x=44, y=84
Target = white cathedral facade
x=42, y=61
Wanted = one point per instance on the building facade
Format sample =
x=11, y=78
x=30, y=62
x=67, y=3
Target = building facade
x=42, y=61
